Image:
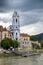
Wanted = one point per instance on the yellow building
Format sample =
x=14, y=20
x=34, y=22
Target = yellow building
x=25, y=36
x=4, y=33
x=25, y=42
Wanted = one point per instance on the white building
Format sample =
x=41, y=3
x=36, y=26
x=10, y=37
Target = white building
x=15, y=26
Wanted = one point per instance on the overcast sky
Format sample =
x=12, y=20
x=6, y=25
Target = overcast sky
x=30, y=12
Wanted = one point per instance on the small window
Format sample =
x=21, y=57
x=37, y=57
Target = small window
x=16, y=26
x=16, y=33
x=16, y=20
x=25, y=42
x=16, y=38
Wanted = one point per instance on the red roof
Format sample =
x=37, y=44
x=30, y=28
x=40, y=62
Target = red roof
x=4, y=29
x=1, y=28
x=24, y=35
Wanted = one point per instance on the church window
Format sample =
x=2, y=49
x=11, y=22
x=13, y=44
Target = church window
x=16, y=38
x=16, y=20
x=16, y=33
x=16, y=26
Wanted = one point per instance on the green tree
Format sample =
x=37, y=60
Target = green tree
x=5, y=43
x=15, y=43
x=33, y=38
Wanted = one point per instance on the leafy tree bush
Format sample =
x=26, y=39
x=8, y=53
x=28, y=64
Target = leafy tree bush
x=33, y=38
x=6, y=43
x=15, y=43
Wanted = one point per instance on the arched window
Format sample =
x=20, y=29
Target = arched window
x=16, y=20
x=16, y=38
x=16, y=26
x=16, y=33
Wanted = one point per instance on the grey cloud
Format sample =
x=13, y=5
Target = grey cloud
x=31, y=18
x=23, y=5
x=31, y=10
x=11, y=4
x=27, y=18
x=34, y=6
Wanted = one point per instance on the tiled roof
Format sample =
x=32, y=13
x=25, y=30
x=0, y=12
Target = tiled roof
x=24, y=35
x=1, y=28
x=4, y=29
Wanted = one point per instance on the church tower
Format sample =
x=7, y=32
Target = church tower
x=15, y=26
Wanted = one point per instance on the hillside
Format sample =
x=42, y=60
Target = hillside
x=38, y=37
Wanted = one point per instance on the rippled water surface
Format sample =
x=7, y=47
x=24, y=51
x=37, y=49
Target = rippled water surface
x=33, y=60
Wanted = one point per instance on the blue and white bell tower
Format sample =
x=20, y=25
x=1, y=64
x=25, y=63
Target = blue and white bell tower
x=16, y=27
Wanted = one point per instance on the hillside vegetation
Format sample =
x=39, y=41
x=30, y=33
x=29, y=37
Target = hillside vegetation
x=38, y=37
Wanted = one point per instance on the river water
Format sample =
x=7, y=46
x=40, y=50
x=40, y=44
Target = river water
x=33, y=60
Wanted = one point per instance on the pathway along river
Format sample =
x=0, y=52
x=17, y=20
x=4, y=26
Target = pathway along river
x=33, y=60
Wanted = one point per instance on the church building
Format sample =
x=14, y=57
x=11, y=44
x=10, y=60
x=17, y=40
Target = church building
x=15, y=26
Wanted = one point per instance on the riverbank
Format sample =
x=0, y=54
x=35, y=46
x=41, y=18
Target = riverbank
x=15, y=54
x=8, y=55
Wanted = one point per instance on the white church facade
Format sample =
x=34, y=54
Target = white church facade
x=15, y=26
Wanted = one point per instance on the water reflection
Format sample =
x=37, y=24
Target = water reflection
x=34, y=60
